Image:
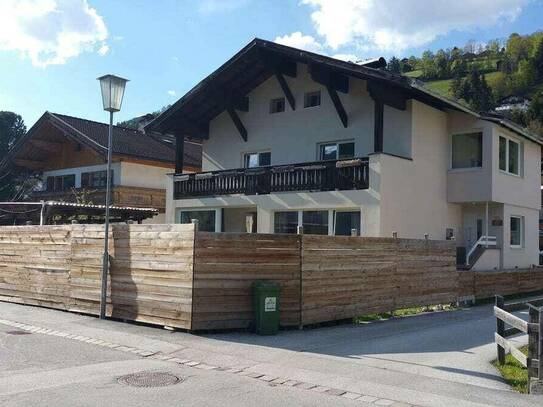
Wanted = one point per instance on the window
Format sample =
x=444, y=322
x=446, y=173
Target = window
x=345, y=222
x=467, y=150
x=252, y=160
x=336, y=151
x=60, y=182
x=312, y=99
x=206, y=219
x=509, y=156
x=516, y=231
x=277, y=105
x=285, y=222
x=96, y=179
x=315, y=222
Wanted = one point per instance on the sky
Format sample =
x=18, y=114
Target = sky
x=52, y=51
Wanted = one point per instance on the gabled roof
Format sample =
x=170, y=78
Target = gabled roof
x=126, y=142
x=250, y=67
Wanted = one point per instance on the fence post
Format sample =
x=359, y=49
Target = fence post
x=535, y=382
x=540, y=348
x=500, y=330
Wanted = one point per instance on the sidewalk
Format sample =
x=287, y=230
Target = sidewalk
x=429, y=360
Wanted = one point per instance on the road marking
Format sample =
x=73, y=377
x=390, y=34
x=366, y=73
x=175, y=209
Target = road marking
x=271, y=380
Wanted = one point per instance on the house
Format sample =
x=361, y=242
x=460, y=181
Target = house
x=69, y=155
x=513, y=102
x=295, y=140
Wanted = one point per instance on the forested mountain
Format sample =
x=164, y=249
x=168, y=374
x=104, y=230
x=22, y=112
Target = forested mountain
x=482, y=76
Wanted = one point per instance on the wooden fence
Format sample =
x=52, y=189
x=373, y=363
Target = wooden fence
x=534, y=328
x=172, y=275
x=486, y=284
x=59, y=267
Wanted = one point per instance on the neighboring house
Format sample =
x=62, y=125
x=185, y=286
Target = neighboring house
x=510, y=103
x=69, y=154
x=295, y=139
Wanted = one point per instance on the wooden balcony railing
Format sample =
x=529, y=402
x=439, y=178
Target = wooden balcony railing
x=311, y=176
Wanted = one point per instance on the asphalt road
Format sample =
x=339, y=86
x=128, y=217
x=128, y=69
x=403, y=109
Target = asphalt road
x=432, y=360
x=43, y=370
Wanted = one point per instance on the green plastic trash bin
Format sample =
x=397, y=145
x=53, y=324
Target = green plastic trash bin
x=266, y=307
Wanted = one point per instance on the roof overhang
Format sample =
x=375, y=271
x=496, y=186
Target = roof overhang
x=226, y=87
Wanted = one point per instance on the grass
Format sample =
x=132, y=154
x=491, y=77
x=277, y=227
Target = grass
x=443, y=86
x=514, y=373
x=402, y=312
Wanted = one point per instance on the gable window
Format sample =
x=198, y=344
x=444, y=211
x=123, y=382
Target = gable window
x=467, y=150
x=277, y=105
x=509, y=156
x=253, y=160
x=60, y=182
x=336, y=151
x=516, y=232
x=312, y=99
x=96, y=179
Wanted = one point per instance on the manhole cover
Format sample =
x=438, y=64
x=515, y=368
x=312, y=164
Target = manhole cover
x=18, y=333
x=149, y=379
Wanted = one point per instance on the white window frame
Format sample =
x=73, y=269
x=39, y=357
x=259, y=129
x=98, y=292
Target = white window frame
x=519, y=163
x=521, y=232
x=337, y=143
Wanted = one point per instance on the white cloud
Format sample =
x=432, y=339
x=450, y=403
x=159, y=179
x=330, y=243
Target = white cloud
x=50, y=32
x=395, y=25
x=298, y=40
x=171, y=92
x=346, y=57
x=104, y=49
x=218, y=6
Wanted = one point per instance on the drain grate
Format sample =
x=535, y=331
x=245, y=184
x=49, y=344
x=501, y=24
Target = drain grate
x=149, y=379
x=18, y=333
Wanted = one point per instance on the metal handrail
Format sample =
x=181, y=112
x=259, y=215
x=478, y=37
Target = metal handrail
x=482, y=241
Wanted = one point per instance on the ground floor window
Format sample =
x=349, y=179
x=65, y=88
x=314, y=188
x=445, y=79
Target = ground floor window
x=516, y=231
x=321, y=222
x=345, y=222
x=206, y=219
x=315, y=222
x=285, y=222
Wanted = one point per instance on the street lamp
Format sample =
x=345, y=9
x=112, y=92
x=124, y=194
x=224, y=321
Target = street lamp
x=112, y=97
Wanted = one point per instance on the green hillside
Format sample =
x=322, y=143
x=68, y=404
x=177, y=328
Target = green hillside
x=480, y=76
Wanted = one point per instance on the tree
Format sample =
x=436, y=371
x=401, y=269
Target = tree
x=535, y=110
x=441, y=62
x=474, y=90
x=12, y=128
x=394, y=65
x=537, y=56
x=428, y=65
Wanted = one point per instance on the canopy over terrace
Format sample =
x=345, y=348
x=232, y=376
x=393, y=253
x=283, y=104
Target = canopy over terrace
x=53, y=212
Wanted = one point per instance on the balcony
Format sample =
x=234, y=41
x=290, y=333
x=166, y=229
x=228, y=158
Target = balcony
x=334, y=175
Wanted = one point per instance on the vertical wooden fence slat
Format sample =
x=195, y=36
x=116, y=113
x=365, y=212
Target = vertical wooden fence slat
x=533, y=339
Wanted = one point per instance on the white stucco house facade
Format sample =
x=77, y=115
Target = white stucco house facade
x=298, y=142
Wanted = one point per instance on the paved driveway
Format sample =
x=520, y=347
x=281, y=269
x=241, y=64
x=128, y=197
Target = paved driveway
x=433, y=360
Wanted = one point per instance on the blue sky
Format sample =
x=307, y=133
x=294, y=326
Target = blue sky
x=52, y=51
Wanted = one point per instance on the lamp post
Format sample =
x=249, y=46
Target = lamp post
x=112, y=88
